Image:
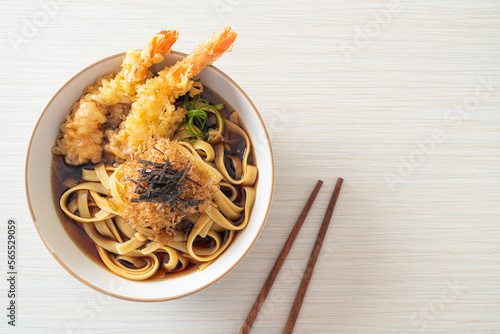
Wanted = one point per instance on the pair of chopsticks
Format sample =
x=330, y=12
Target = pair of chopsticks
x=299, y=298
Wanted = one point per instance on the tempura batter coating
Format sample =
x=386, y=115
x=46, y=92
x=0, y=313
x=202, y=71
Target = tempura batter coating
x=81, y=136
x=122, y=89
x=153, y=113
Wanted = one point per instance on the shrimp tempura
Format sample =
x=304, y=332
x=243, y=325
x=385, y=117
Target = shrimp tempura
x=81, y=137
x=153, y=113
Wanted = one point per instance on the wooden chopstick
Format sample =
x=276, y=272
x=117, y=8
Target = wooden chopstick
x=299, y=298
x=252, y=315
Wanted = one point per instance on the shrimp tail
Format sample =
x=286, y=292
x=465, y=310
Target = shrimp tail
x=163, y=41
x=215, y=46
x=152, y=53
x=225, y=43
x=205, y=54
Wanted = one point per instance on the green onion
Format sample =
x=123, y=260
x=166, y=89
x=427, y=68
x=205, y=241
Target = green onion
x=195, y=124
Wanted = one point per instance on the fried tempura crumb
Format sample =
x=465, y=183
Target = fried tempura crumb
x=151, y=215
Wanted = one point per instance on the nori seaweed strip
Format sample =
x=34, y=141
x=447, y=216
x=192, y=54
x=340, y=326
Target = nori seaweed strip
x=173, y=205
x=189, y=179
x=184, y=172
x=149, y=200
x=158, y=150
x=150, y=163
x=164, y=169
x=164, y=185
x=139, y=185
x=134, y=181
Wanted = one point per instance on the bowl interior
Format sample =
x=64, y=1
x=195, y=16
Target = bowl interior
x=71, y=257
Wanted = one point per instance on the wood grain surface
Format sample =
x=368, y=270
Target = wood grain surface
x=400, y=98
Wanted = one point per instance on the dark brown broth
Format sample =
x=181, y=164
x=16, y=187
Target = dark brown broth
x=62, y=171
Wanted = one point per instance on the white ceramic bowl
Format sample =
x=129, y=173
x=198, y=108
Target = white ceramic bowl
x=45, y=217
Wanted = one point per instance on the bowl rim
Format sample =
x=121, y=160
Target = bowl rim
x=240, y=258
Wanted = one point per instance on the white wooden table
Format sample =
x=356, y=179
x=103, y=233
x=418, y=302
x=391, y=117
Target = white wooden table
x=400, y=98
